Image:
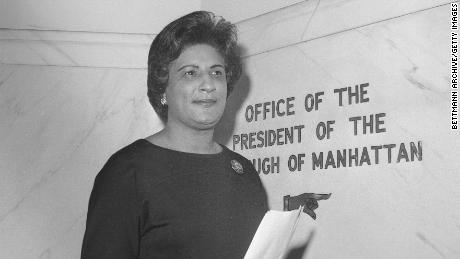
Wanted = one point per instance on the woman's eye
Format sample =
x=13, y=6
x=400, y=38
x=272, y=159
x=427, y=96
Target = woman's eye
x=217, y=73
x=190, y=73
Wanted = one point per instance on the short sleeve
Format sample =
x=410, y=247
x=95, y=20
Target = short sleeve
x=112, y=224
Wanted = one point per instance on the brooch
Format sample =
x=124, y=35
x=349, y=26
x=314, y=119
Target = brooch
x=237, y=166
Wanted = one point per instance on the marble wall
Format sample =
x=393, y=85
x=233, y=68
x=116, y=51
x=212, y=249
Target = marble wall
x=117, y=16
x=59, y=125
x=69, y=100
x=239, y=10
x=398, y=207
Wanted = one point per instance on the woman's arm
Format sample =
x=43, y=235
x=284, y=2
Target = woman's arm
x=112, y=225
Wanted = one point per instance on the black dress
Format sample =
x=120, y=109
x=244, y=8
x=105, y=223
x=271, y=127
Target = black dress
x=154, y=202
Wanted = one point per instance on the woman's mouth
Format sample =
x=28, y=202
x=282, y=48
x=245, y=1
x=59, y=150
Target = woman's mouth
x=205, y=102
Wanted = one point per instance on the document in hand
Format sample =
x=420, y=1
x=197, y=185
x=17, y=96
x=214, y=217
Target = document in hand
x=273, y=235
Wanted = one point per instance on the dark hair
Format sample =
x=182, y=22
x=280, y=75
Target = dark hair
x=199, y=27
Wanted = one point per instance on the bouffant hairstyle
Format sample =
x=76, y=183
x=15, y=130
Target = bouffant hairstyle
x=199, y=27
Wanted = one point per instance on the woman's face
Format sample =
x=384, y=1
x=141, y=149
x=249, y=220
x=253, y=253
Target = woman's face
x=197, y=87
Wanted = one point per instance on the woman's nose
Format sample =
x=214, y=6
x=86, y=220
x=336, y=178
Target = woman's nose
x=207, y=84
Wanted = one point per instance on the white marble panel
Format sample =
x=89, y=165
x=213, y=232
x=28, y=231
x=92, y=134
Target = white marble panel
x=77, y=49
x=303, y=21
x=314, y=19
x=59, y=125
x=121, y=16
x=377, y=210
x=238, y=10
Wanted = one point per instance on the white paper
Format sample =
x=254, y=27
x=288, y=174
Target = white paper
x=273, y=235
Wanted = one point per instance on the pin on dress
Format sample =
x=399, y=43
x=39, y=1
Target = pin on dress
x=237, y=166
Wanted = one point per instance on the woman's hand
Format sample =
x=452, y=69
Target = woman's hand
x=308, y=200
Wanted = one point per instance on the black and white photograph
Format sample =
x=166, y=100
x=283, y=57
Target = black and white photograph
x=265, y=129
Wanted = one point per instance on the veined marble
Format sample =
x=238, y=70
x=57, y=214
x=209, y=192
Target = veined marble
x=384, y=210
x=309, y=20
x=75, y=98
x=74, y=49
x=303, y=21
x=59, y=125
x=120, y=16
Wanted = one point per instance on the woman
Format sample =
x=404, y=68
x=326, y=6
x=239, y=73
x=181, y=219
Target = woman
x=178, y=193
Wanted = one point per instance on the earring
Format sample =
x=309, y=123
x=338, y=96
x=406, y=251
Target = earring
x=163, y=100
